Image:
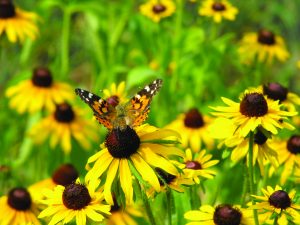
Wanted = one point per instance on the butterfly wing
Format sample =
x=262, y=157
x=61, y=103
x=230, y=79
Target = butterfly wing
x=103, y=111
x=140, y=103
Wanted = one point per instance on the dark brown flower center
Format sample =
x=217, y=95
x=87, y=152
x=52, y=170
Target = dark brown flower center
x=280, y=199
x=158, y=8
x=227, y=215
x=115, y=207
x=19, y=199
x=218, y=6
x=254, y=105
x=64, y=113
x=260, y=138
x=266, y=37
x=193, y=119
x=194, y=165
x=113, y=100
x=122, y=143
x=42, y=77
x=275, y=91
x=293, y=144
x=164, y=177
x=7, y=9
x=76, y=196
x=66, y=174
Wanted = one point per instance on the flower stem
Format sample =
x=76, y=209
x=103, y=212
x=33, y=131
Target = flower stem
x=245, y=185
x=251, y=174
x=275, y=220
x=65, y=42
x=146, y=204
x=169, y=206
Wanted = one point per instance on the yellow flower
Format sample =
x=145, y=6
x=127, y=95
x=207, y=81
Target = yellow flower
x=120, y=216
x=17, y=208
x=17, y=23
x=218, y=10
x=227, y=214
x=276, y=91
x=142, y=148
x=254, y=110
x=264, y=45
x=193, y=127
x=277, y=202
x=196, y=166
x=64, y=175
x=288, y=156
x=116, y=94
x=158, y=9
x=169, y=181
x=75, y=200
x=62, y=125
x=38, y=93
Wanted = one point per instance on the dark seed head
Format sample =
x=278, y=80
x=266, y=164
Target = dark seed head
x=76, y=196
x=280, y=199
x=66, y=174
x=218, y=6
x=266, y=37
x=122, y=143
x=7, y=9
x=158, y=8
x=19, y=199
x=254, y=105
x=113, y=100
x=115, y=207
x=164, y=177
x=227, y=215
x=275, y=91
x=64, y=113
x=293, y=144
x=260, y=138
x=193, y=165
x=193, y=119
x=42, y=77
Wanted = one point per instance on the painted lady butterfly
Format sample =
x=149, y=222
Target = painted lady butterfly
x=133, y=113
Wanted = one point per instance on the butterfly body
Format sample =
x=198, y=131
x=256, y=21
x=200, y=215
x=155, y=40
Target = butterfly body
x=133, y=113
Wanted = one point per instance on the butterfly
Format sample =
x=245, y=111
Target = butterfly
x=132, y=113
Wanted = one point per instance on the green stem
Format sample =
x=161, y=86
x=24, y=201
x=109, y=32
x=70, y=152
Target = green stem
x=245, y=185
x=275, y=220
x=146, y=204
x=194, y=197
x=251, y=173
x=176, y=45
x=169, y=206
x=65, y=41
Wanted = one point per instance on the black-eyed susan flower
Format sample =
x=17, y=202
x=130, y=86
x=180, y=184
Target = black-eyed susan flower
x=277, y=204
x=276, y=92
x=196, y=165
x=218, y=10
x=17, y=23
x=264, y=45
x=64, y=175
x=254, y=110
x=17, y=208
x=121, y=216
x=223, y=214
x=288, y=156
x=143, y=148
x=263, y=151
x=38, y=93
x=158, y=9
x=116, y=94
x=64, y=124
x=76, y=200
x=193, y=127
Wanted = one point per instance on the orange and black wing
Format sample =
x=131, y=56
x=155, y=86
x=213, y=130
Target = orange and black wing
x=140, y=103
x=103, y=111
